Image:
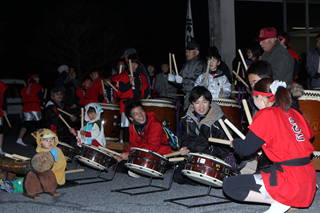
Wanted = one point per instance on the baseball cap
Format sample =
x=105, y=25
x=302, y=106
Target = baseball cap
x=57, y=89
x=128, y=52
x=192, y=45
x=265, y=33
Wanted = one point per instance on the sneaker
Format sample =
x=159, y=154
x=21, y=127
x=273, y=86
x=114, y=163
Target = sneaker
x=21, y=143
x=2, y=152
x=134, y=175
x=6, y=185
x=277, y=207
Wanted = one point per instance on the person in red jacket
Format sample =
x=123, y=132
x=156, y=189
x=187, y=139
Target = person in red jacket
x=3, y=111
x=145, y=131
x=32, y=97
x=93, y=90
x=82, y=91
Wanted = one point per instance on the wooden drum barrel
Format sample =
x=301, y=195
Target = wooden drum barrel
x=111, y=120
x=231, y=110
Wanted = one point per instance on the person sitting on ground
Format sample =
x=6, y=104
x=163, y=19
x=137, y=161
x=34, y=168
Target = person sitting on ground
x=93, y=132
x=284, y=135
x=146, y=132
x=198, y=125
x=47, y=142
x=217, y=83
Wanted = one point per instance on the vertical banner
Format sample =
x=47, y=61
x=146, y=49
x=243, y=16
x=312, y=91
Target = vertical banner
x=189, y=24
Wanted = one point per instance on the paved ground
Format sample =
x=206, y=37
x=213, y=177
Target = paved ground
x=97, y=197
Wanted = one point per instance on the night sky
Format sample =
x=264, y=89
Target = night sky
x=159, y=28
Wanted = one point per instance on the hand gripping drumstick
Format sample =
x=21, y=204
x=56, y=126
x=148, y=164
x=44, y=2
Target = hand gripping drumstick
x=82, y=118
x=175, y=64
x=110, y=84
x=64, y=112
x=170, y=64
x=240, y=79
x=247, y=111
x=225, y=130
x=65, y=122
x=207, y=73
x=9, y=124
x=218, y=140
x=243, y=61
x=234, y=129
x=109, y=150
x=130, y=67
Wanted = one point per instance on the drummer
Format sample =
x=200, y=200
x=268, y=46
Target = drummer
x=146, y=132
x=199, y=124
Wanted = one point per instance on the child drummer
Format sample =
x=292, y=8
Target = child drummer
x=92, y=133
x=47, y=142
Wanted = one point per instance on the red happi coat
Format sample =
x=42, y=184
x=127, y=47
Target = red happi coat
x=286, y=137
x=30, y=99
x=126, y=95
x=154, y=137
x=79, y=93
x=92, y=92
x=3, y=88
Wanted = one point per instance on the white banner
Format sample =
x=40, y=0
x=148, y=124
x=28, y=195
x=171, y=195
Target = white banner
x=189, y=24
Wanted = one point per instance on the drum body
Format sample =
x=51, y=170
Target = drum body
x=309, y=104
x=231, y=110
x=206, y=169
x=165, y=111
x=95, y=157
x=146, y=162
x=111, y=119
x=67, y=150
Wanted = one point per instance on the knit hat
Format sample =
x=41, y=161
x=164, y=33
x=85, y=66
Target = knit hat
x=62, y=68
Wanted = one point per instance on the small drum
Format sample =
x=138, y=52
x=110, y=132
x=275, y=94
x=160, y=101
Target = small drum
x=67, y=150
x=309, y=104
x=146, y=162
x=206, y=169
x=96, y=157
x=164, y=110
x=111, y=120
x=231, y=110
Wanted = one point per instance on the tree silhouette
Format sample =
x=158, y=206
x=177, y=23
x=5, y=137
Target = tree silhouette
x=80, y=34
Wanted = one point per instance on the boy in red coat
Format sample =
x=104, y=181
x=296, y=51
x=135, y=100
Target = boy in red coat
x=93, y=90
x=82, y=91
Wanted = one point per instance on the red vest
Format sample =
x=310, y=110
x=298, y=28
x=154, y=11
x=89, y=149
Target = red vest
x=30, y=99
x=92, y=92
x=3, y=88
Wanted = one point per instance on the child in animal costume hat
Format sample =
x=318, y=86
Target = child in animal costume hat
x=92, y=132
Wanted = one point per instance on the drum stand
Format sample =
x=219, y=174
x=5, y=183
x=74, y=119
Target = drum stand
x=160, y=189
x=198, y=196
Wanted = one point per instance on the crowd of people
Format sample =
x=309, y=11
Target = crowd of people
x=277, y=144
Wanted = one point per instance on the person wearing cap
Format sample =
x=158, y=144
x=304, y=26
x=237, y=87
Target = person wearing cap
x=120, y=64
x=93, y=90
x=280, y=59
x=313, y=64
x=3, y=110
x=32, y=97
x=141, y=68
x=130, y=87
x=82, y=91
x=54, y=122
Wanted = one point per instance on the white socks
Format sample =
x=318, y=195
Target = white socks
x=277, y=207
x=2, y=152
x=20, y=142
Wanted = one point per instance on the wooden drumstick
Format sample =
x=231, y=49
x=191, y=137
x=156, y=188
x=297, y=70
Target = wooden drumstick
x=130, y=67
x=120, y=69
x=115, y=89
x=247, y=111
x=234, y=129
x=176, y=159
x=10, y=156
x=243, y=61
x=45, y=95
x=175, y=64
x=173, y=154
x=218, y=140
x=65, y=122
x=240, y=79
x=20, y=157
x=9, y=124
x=207, y=73
x=82, y=119
x=109, y=150
x=165, y=81
x=225, y=129
x=238, y=68
x=170, y=64
x=73, y=171
x=177, y=94
x=64, y=112
x=104, y=91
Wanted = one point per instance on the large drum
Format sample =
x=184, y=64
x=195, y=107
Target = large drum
x=111, y=120
x=165, y=111
x=146, y=162
x=67, y=150
x=309, y=104
x=231, y=110
x=206, y=169
x=95, y=157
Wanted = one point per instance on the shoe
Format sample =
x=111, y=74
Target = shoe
x=2, y=152
x=21, y=143
x=277, y=207
x=6, y=185
x=134, y=175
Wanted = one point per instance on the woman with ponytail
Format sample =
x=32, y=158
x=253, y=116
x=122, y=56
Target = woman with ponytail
x=283, y=134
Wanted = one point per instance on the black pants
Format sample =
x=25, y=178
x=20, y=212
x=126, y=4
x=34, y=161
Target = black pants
x=238, y=187
x=182, y=179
